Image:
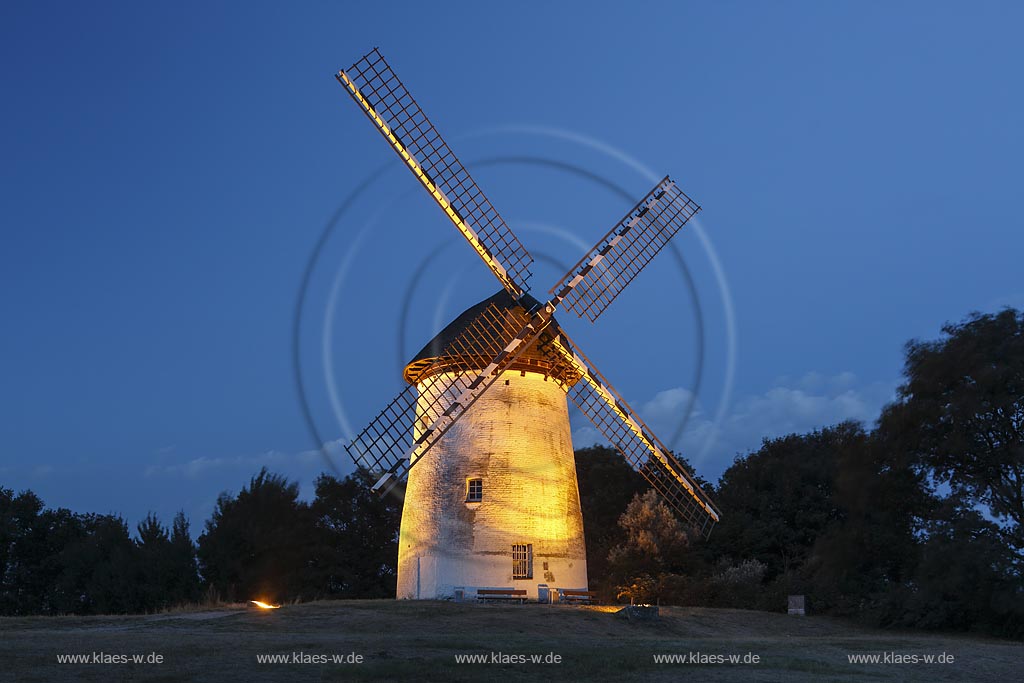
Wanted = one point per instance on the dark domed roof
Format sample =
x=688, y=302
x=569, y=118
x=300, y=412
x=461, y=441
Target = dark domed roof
x=532, y=359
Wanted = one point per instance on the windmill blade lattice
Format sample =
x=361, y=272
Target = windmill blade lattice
x=442, y=387
x=442, y=392
x=493, y=341
x=381, y=446
x=613, y=417
x=397, y=116
x=594, y=282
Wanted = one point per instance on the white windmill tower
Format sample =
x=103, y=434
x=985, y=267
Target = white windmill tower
x=493, y=501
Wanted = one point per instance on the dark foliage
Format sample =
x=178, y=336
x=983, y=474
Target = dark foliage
x=861, y=522
x=357, y=533
x=260, y=544
x=607, y=484
x=778, y=500
x=167, y=559
x=965, y=580
x=961, y=413
x=267, y=544
x=58, y=562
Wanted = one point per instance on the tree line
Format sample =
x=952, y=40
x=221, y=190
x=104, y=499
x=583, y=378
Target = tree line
x=59, y=562
x=263, y=543
x=916, y=522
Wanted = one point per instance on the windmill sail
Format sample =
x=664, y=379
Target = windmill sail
x=394, y=112
x=444, y=386
x=642, y=450
x=442, y=392
x=497, y=337
x=379, y=448
x=594, y=282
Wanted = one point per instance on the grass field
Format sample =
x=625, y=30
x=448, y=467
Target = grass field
x=420, y=641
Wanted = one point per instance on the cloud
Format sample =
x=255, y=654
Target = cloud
x=299, y=465
x=798, y=405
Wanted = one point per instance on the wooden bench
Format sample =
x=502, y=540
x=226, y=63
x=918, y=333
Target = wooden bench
x=501, y=594
x=576, y=596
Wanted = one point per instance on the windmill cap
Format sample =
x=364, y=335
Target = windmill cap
x=425, y=363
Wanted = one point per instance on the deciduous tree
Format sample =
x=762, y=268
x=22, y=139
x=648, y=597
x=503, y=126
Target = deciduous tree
x=961, y=413
x=259, y=544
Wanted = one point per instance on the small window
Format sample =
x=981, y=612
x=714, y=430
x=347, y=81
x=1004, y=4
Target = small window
x=522, y=561
x=474, y=490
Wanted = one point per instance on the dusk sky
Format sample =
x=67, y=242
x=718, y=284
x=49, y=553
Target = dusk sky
x=168, y=171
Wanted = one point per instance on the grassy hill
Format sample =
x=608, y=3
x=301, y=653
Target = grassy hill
x=420, y=641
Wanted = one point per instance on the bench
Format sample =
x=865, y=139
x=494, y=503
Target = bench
x=501, y=594
x=571, y=596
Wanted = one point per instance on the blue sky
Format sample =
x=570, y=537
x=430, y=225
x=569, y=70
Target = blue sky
x=168, y=169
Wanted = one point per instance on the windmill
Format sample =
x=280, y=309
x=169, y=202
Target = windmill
x=487, y=398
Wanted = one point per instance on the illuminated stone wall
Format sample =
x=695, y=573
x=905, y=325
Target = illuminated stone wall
x=516, y=438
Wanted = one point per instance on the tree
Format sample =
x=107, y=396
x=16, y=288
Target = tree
x=860, y=560
x=52, y=591
x=22, y=547
x=155, y=570
x=259, y=545
x=965, y=579
x=654, y=536
x=168, y=574
x=98, y=569
x=655, y=540
x=960, y=413
x=607, y=485
x=184, y=586
x=777, y=501
x=357, y=537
